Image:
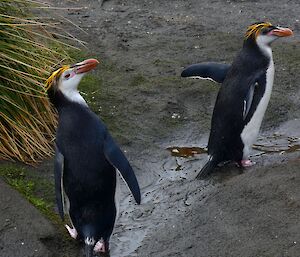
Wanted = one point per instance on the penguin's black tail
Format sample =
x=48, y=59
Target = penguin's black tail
x=207, y=168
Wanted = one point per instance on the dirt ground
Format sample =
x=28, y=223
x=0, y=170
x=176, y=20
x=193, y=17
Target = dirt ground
x=143, y=46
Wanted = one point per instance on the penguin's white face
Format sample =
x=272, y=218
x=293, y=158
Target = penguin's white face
x=263, y=34
x=68, y=84
x=67, y=79
x=265, y=40
x=70, y=79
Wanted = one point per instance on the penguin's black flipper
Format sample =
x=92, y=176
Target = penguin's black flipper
x=207, y=70
x=116, y=157
x=207, y=168
x=58, y=173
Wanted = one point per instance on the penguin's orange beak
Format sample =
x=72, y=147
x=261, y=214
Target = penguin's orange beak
x=85, y=66
x=281, y=32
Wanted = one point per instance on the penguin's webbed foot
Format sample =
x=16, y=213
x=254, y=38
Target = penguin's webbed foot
x=100, y=247
x=246, y=163
x=72, y=231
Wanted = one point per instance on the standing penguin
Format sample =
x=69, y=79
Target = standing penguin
x=243, y=97
x=86, y=161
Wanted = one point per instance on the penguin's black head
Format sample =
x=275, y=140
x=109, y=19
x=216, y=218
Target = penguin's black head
x=264, y=33
x=67, y=78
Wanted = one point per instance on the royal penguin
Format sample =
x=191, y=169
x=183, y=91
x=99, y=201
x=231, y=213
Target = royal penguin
x=242, y=98
x=86, y=161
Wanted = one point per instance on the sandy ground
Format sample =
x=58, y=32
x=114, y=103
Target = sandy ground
x=143, y=46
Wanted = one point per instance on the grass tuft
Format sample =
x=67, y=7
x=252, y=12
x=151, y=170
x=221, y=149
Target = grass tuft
x=29, y=51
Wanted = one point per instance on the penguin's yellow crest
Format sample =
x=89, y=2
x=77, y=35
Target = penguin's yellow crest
x=56, y=74
x=254, y=29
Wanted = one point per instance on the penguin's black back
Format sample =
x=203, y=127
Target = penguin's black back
x=227, y=123
x=89, y=179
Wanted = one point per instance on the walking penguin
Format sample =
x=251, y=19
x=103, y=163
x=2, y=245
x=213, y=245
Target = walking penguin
x=86, y=160
x=243, y=97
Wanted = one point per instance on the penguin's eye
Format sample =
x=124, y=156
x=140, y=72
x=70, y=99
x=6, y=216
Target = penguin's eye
x=67, y=76
x=264, y=31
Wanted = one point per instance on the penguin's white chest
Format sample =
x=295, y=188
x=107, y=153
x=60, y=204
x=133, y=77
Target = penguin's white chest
x=250, y=131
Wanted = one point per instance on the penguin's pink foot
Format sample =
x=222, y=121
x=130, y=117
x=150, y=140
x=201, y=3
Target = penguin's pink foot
x=99, y=247
x=247, y=163
x=72, y=231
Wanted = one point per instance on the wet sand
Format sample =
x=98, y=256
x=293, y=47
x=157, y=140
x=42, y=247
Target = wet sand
x=148, y=108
